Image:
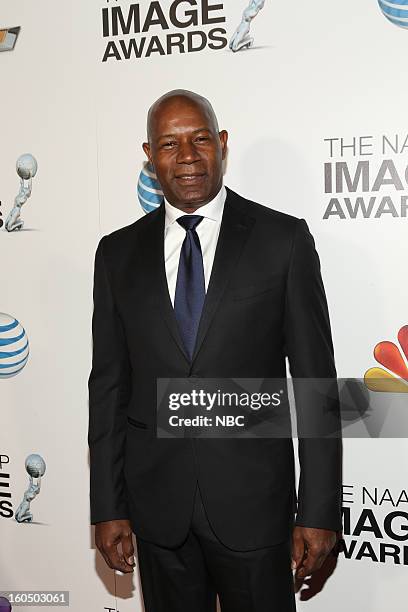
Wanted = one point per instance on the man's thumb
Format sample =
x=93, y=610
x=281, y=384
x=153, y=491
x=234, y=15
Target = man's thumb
x=128, y=550
x=298, y=549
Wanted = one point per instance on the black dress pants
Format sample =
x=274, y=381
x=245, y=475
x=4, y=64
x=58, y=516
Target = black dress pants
x=188, y=578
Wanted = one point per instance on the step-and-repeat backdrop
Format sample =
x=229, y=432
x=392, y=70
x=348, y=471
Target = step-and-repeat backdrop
x=314, y=97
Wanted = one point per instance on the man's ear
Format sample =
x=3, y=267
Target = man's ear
x=146, y=149
x=223, y=139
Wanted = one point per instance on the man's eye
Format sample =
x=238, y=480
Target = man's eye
x=168, y=144
x=202, y=138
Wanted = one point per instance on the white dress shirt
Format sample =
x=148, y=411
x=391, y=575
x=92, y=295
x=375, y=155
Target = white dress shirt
x=207, y=230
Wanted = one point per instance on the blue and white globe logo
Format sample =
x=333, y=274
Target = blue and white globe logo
x=149, y=191
x=14, y=348
x=395, y=11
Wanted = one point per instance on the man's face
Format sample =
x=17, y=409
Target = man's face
x=186, y=151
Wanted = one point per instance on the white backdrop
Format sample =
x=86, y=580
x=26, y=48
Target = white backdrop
x=319, y=70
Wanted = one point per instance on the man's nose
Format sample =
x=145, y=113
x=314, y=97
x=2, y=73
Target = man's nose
x=187, y=153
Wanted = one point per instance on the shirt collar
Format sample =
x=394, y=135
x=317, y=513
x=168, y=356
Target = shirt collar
x=213, y=210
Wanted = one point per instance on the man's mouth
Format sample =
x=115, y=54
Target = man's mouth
x=190, y=178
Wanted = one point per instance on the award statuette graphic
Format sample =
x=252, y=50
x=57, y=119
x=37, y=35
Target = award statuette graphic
x=241, y=38
x=26, y=167
x=35, y=466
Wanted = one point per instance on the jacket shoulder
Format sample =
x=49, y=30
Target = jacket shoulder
x=128, y=233
x=267, y=215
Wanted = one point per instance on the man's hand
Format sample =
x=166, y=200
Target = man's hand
x=310, y=548
x=108, y=534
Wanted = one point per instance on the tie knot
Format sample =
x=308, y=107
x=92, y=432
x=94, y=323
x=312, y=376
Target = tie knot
x=190, y=222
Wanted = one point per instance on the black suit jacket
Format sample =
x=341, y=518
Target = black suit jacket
x=265, y=300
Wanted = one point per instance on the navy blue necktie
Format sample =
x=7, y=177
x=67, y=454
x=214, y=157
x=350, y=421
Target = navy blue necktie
x=190, y=285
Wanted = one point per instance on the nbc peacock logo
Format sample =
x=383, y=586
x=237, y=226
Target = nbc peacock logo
x=393, y=379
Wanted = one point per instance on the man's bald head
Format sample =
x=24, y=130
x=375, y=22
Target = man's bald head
x=186, y=148
x=179, y=97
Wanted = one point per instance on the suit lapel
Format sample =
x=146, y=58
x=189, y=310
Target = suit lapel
x=234, y=231
x=155, y=270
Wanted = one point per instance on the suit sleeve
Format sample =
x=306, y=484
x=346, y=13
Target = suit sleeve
x=310, y=353
x=109, y=391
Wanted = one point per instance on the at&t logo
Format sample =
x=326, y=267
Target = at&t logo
x=395, y=11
